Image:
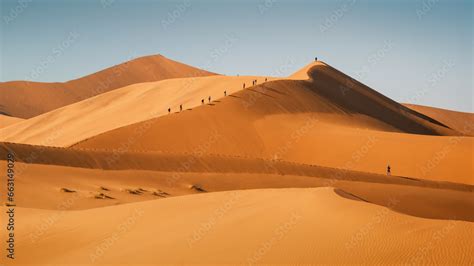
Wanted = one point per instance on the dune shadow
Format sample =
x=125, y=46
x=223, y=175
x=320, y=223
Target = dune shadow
x=268, y=95
x=418, y=203
x=349, y=195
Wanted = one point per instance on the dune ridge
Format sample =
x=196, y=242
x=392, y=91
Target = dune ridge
x=26, y=99
x=135, y=103
x=6, y=120
x=303, y=121
x=460, y=121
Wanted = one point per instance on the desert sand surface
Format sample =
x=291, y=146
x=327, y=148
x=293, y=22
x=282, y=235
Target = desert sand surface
x=291, y=170
x=6, y=120
x=135, y=103
x=44, y=187
x=323, y=225
x=460, y=121
x=26, y=99
x=293, y=121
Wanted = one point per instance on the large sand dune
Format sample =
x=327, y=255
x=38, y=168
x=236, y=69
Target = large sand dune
x=27, y=99
x=288, y=171
x=320, y=225
x=121, y=107
x=305, y=122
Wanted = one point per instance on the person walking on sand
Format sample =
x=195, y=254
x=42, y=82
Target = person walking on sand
x=202, y=101
x=169, y=110
x=180, y=107
x=209, y=99
x=243, y=86
x=225, y=93
x=389, y=170
x=265, y=79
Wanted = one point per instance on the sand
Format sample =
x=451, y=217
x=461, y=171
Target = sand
x=298, y=121
x=459, y=121
x=121, y=107
x=26, y=99
x=292, y=170
x=6, y=120
x=256, y=226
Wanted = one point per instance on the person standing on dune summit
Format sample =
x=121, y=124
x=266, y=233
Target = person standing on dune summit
x=389, y=171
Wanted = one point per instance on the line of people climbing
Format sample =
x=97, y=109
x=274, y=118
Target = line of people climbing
x=254, y=82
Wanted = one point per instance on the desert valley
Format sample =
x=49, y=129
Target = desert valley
x=154, y=161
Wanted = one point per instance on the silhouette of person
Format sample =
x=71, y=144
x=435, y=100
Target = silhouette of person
x=202, y=101
x=315, y=59
x=169, y=110
x=225, y=93
x=243, y=86
x=180, y=107
x=389, y=170
x=209, y=99
x=265, y=79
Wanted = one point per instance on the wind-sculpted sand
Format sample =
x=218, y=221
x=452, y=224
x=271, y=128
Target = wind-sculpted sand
x=290, y=170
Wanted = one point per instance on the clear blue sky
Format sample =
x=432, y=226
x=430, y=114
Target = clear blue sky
x=412, y=51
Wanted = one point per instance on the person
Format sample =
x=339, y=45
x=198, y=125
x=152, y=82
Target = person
x=243, y=86
x=389, y=172
x=209, y=99
x=225, y=93
x=265, y=79
x=169, y=110
x=315, y=59
x=180, y=107
x=202, y=101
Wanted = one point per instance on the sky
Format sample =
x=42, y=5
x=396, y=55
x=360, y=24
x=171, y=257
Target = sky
x=417, y=51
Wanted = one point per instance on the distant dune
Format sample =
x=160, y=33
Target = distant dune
x=27, y=99
x=6, y=120
x=459, y=121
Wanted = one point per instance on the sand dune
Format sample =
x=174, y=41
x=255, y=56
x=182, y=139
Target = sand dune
x=6, y=120
x=121, y=107
x=27, y=99
x=44, y=187
x=257, y=226
x=459, y=121
x=302, y=121
x=289, y=171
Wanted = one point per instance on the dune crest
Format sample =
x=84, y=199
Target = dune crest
x=26, y=99
x=6, y=120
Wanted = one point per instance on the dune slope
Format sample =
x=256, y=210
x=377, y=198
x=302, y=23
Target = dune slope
x=121, y=107
x=283, y=226
x=27, y=99
x=8, y=120
x=459, y=121
x=306, y=121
